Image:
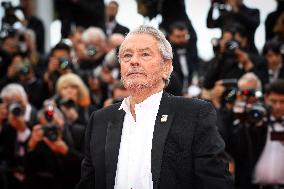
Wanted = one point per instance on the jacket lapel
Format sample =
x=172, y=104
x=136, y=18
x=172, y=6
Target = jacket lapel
x=162, y=126
x=112, y=145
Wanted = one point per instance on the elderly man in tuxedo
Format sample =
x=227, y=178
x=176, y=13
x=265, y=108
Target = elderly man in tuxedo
x=152, y=139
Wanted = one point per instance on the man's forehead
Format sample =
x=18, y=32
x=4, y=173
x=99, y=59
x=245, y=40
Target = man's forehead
x=138, y=46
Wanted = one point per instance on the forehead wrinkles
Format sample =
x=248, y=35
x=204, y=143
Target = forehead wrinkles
x=133, y=42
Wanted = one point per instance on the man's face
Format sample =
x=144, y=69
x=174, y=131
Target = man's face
x=10, y=45
x=273, y=59
x=241, y=39
x=276, y=101
x=60, y=54
x=142, y=66
x=111, y=11
x=179, y=37
x=15, y=99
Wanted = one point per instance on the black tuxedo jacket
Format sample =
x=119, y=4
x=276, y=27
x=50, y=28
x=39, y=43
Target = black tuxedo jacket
x=120, y=29
x=186, y=148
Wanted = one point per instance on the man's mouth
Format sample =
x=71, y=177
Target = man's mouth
x=135, y=73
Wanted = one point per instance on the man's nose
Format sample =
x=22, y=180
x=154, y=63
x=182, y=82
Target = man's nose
x=135, y=60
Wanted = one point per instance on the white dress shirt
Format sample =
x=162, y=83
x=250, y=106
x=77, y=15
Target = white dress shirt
x=269, y=168
x=134, y=159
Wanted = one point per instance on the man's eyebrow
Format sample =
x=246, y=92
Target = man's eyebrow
x=144, y=49
x=139, y=50
x=126, y=50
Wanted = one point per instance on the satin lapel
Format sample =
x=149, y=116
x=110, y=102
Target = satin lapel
x=162, y=127
x=113, y=137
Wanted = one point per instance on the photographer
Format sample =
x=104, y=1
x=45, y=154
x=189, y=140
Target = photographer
x=232, y=57
x=59, y=63
x=8, y=47
x=17, y=117
x=34, y=23
x=273, y=68
x=185, y=61
x=268, y=173
x=55, y=151
x=73, y=98
x=240, y=119
x=231, y=12
x=271, y=20
x=93, y=48
x=112, y=26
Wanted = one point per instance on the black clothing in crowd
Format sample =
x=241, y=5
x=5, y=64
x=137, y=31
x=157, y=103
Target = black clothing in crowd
x=249, y=18
x=84, y=13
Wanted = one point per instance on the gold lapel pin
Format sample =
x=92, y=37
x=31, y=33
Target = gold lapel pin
x=164, y=118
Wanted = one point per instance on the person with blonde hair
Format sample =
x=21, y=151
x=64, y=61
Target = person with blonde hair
x=73, y=94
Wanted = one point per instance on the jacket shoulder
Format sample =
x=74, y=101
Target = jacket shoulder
x=189, y=102
x=107, y=111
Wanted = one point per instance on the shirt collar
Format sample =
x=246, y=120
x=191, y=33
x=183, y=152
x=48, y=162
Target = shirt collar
x=125, y=105
x=270, y=71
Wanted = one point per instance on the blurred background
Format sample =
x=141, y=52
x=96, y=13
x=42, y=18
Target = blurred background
x=59, y=63
x=128, y=16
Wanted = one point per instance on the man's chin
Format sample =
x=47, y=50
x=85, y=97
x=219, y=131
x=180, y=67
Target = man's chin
x=135, y=86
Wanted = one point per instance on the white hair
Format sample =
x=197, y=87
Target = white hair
x=164, y=45
x=250, y=77
x=93, y=32
x=14, y=89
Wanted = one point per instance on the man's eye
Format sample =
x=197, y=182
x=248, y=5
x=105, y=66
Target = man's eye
x=127, y=56
x=145, y=54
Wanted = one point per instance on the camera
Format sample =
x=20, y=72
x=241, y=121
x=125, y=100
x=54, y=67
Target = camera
x=24, y=69
x=64, y=63
x=16, y=109
x=254, y=114
x=231, y=46
x=257, y=113
x=9, y=17
x=68, y=103
x=251, y=92
x=221, y=5
x=51, y=132
x=231, y=88
x=91, y=50
x=49, y=112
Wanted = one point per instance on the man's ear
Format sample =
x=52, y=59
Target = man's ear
x=167, y=69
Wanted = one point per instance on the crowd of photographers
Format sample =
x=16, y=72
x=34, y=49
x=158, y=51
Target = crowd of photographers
x=47, y=98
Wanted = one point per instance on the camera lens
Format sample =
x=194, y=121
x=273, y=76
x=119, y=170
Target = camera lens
x=91, y=50
x=231, y=46
x=51, y=132
x=15, y=108
x=63, y=63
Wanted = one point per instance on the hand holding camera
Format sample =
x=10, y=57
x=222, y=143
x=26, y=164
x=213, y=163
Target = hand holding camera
x=17, y=122
x=58, y=146
x=36, y=137
x=12, y=70
x=53, y=64
x=3, y=112
x=244, y=59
